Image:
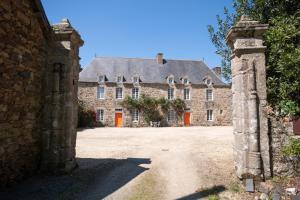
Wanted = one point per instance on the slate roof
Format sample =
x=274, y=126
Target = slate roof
x=148, y=70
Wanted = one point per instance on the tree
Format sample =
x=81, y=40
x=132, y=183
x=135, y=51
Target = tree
x=283, y=47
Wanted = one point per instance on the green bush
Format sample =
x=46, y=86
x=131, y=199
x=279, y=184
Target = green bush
x=292, y=148
x=86, y=116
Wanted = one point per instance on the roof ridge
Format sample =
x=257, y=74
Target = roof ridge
x=172, y=59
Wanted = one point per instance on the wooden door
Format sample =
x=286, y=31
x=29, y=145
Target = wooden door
x=187, y=118
x=118, y=119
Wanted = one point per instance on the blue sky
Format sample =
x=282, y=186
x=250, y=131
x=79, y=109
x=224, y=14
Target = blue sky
x=141, y=28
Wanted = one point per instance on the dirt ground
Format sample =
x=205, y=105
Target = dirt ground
x=143, y=163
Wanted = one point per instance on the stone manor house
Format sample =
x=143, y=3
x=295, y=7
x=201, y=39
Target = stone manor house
x=106, y=81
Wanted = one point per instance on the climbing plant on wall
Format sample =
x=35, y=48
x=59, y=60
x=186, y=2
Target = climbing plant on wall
x=154, y=109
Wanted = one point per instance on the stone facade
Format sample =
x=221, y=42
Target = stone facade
x=29, y=49
x=197, y=105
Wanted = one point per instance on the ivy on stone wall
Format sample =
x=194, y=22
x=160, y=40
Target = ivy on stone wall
x=86, y=116
x=292, y=148
x=154, y=109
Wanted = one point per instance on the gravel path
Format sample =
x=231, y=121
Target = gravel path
x=169, y=162
x=142, y=163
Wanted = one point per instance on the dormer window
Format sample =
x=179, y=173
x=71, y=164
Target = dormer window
x=170, y=80
x=207, y=81
x=136, y=79
x=185, y=81
x=101, y=79
x=120, y=79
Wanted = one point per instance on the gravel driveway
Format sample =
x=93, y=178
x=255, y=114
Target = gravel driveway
x=143, y=163
x=159, y=163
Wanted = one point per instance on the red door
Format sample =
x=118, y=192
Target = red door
x=118, y=119
x=187, y=118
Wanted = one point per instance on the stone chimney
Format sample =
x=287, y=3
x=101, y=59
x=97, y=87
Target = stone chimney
x=160, y=58
x=217, y=70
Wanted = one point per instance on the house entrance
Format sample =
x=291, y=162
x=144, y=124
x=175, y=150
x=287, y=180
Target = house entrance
x=118, y=118
x=187, y=118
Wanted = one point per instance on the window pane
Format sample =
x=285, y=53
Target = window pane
x=100, y=115
x=101, y=79
x=170, y=93
x=135, y=93
x=171, y=115
x=100, y=92
x=119, y=93
x=119, y=79
x=135, y=79
x=185, y=81
x=135, y=115
x=209, y=115
x=209, y=95
x=186, y=93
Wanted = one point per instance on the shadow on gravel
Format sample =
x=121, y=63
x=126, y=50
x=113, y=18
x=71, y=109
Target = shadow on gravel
x=94, y=179
x=204, y=193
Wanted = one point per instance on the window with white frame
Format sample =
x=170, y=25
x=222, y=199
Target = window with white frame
x=100, y=92
x=209, y=95
x=209, y=115
x=171, y=115
x=186, y=94
x=100, y=115
x=171, y=80
x=208, y=81
x=101, y=79
x=135, y=93
x=135, y=115
x=119, y=93
x=171, y=93
x=120, y=79
x=185, y=81
x=136, y=79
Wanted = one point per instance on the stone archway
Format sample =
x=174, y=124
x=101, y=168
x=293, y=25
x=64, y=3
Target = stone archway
x=250, y=123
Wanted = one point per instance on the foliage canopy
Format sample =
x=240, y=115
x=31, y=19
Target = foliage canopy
x=283, y=47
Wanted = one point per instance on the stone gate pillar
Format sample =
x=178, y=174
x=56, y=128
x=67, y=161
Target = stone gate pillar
x=60, y=91
x=250, y=124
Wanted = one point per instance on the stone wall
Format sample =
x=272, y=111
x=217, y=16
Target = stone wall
x=27, y=60
x=198, y=104
x=281, y=130
x=22, y=65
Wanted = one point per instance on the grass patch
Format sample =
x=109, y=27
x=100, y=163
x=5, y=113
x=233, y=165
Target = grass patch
x=234, y=187
x=279, y=179
x=213, y=197
x=146, y=189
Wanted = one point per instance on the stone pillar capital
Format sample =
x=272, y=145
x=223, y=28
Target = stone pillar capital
x=246, y=35
x=65, y=32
